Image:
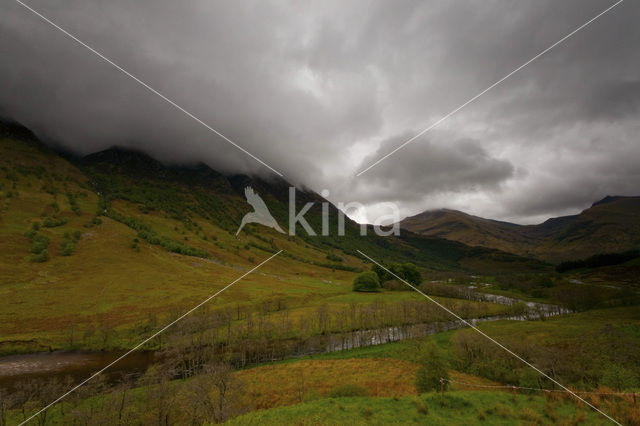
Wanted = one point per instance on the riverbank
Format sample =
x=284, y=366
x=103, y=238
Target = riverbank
x=80, y=364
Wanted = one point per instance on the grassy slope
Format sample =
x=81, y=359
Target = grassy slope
x=106, y=284
x=460, y=408
x=611, y=226
x=605, y=227
x=472, y=230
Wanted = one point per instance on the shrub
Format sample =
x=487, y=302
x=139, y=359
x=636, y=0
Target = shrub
x=433, y=367
x=43, y=256
x=67, y=247
x=39, y=243
x=619, y=378
x=347, y=390
x=52, y=222
x=74, y=204
x=30, y=233
x=366, y=281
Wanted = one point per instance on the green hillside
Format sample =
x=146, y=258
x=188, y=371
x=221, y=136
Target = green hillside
x=455, y=408
x=95, y=248
x=610, y=225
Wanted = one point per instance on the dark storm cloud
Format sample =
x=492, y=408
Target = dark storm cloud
x=320, y=90
x=234, y=66
x=616, y=101
x=440, y=164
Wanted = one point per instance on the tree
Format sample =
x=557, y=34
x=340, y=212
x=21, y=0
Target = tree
x=434, y=366
x=383, y=275
x=405, y=271
x=411, y=273
x=408, y=272
x=366, y=281
x=159, y=396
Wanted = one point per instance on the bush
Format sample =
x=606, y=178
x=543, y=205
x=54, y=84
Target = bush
x=39, y=243
x=30, y=233
x=43, y=256
x=433, y=367
x=366, y=281
x=619, y=378
x=347, y=390
x=67, y=248
x=52, y=222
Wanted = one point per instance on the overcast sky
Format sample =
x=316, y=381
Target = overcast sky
x=320, y=90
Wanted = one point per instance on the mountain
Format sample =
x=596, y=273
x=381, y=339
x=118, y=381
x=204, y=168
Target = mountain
x=609, y=225
x=93, y=247
x=168, y=206
x=472, y=230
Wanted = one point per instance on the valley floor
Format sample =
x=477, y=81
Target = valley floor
x=375, y=385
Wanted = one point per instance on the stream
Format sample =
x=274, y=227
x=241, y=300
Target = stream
x=81, y=364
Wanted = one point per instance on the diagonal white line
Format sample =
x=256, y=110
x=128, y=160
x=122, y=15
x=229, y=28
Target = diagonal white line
x=145, y=85
x=492, y=86
x=149, y=338
x=493, y=340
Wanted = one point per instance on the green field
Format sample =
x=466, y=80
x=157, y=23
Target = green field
x=459, y=408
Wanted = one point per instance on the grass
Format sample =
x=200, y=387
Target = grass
x=285, y=384
x=460, y=408
x=566, y=329
x=323, y=392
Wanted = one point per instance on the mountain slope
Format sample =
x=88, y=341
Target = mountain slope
x=472, y=230
x=609, y=225
x=94, y=248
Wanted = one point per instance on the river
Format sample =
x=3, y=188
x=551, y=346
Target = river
x=79, y=365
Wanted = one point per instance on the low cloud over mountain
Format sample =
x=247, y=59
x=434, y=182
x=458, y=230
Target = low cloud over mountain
x=320, y=91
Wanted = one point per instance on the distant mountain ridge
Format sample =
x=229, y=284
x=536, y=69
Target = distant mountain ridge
x=192, y=210
x=609, y=225
x=133, y=188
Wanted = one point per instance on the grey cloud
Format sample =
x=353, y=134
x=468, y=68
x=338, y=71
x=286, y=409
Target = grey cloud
x=440, y=164
x=315, y=88
x=618, y=100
